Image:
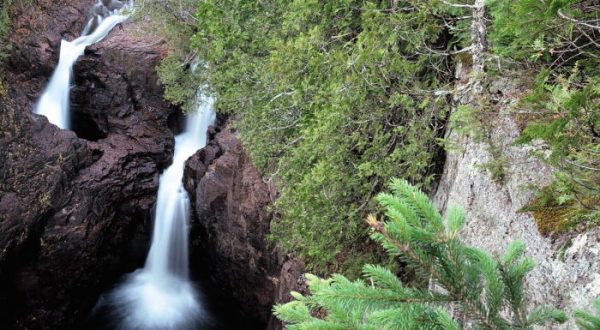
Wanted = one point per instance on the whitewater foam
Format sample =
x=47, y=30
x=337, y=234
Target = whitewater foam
x=160, y=295
x=54, y=102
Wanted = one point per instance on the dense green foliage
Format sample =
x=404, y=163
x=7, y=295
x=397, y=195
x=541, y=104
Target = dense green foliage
x=333, y=98
x=487, y=291
x=561, y=39
x=546, y=31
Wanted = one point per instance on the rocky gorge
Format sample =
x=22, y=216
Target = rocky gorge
x=76, y=206
x=78, y=192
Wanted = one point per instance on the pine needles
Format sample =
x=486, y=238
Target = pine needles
x=587, y=320
x=486, y=291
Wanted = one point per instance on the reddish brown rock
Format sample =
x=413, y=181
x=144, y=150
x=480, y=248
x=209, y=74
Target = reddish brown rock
x=229, y=230
x=70, y=207
x=37, y=28
x=116, y=88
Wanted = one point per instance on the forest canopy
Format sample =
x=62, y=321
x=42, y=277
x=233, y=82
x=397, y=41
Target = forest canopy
x=333, y=98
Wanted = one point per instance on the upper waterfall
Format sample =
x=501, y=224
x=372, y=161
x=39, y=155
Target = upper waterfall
x=54, y=102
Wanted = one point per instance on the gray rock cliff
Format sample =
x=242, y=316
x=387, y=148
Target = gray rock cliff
x=567, y=274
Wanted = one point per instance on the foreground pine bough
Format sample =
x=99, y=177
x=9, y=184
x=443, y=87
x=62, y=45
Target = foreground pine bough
x=468, y=283
x=587, y=320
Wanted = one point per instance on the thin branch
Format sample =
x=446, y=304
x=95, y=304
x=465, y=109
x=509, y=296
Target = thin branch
x=571, y=19
x=458, y=5
x=437, y=52
x=281, y=94
x=583, y=166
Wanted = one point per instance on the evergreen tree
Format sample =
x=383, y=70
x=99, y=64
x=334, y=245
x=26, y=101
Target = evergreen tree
x=587, y=320
x=555, y=32
x=485, y=291
x=332, y=97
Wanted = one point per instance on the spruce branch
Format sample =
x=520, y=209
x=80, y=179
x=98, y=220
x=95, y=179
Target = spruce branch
x=587, y=320
x=482, y=286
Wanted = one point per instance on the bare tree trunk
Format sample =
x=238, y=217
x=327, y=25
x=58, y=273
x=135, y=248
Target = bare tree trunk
x=478, y=45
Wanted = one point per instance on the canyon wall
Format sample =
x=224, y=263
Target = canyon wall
x=230, y=227
x=567, y=272
x=71, y=207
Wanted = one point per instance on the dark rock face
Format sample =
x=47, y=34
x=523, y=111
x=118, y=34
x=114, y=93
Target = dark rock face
x=73, y=205
x=290, y=278
x=116, y=89
x=230, y=226
x=37, y=30
x=37, y=164
x=69, y=207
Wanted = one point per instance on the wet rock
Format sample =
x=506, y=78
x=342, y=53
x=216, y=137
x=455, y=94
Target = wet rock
x=230, y=226
x=70, y=207
x=37, y=30
x=112, y=4
x=116, y=89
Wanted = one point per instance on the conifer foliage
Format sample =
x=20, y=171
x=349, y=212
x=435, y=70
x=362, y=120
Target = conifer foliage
x=587, y=320
x=560, y=39
x=486, y=291
x=333, y=98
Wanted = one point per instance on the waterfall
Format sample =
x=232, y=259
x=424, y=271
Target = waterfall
x=160, y=295
x=54, y=102
x=168, y=252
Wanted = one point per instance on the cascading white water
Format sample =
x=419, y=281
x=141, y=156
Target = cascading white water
x=160, y=296
x=168, y=252
x=54, y=102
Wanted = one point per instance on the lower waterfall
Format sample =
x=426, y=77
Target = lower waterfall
x=160, y=295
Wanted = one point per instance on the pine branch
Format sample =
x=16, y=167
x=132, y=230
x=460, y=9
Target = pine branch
x=479, y=284
x=588, y=321
x=475, y=309
x=576, y=21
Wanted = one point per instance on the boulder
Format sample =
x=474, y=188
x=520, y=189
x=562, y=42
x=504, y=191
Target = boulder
x=567, y=272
